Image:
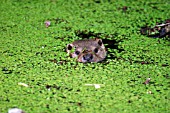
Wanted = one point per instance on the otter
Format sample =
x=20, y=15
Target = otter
x=88, y=50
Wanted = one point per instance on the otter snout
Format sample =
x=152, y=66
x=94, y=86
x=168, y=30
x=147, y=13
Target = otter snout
x=88, y=57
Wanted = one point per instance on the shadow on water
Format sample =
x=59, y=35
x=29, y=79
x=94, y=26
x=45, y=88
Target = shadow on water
x=108, y=41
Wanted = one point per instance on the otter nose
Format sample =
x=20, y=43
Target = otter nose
x=88, y=57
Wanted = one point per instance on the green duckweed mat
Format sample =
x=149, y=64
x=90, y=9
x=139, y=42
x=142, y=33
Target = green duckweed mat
x=37, y=76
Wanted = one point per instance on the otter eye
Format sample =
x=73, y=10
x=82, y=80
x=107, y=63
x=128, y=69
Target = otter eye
x=77, y=52
x=96, y=50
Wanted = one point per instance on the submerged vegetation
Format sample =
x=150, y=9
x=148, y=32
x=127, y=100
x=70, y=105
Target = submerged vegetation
x=38, y=76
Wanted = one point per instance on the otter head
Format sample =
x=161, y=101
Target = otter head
x=91, y=50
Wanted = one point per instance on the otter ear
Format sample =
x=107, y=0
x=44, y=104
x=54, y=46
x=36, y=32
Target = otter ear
x=99, y=41
x=69, y=47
